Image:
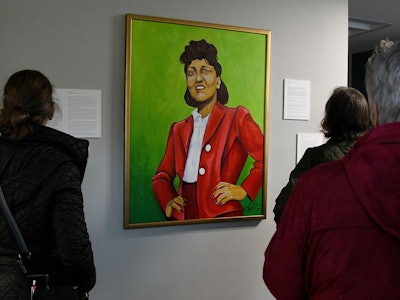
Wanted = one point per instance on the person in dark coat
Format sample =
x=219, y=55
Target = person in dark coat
x=346, y=119
x=339, y=235
x=41, y=171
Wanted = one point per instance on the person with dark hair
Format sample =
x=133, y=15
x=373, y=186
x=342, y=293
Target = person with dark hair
x=339, y=235
x=208, y=149
x=346, y=119
x=41, y=171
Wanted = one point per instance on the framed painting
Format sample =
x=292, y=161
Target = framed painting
x=196, y=122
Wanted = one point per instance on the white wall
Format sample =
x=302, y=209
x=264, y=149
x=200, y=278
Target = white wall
x=80, y=44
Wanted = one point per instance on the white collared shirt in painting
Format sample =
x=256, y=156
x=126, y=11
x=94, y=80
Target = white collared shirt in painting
x=196, y=142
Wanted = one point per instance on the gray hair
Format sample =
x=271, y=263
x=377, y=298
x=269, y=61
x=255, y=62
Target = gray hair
x=382, y=81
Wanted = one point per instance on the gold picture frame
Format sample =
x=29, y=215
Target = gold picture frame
x=155, y=83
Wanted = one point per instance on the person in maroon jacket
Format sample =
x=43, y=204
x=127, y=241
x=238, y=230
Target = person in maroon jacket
x=208, y=149
x=339, y=235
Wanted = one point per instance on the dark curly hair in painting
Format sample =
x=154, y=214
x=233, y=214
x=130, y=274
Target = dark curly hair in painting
x=346, y=114
x=203, y=50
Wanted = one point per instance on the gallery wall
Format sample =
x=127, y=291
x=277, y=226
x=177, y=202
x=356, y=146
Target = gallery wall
x=81, y=45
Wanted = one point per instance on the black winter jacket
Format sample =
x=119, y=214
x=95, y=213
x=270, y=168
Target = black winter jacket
x=41, y=178
x=333, y=149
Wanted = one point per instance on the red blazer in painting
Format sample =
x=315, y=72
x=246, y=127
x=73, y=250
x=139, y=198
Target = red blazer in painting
x=231, y=135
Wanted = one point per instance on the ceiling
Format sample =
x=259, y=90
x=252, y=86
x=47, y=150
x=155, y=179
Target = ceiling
x=371, y=21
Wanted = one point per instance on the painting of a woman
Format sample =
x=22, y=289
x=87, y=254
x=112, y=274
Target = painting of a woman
x=208, y=149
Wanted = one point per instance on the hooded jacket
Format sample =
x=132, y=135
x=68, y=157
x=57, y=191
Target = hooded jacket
x=41, y=178
x=339, y=236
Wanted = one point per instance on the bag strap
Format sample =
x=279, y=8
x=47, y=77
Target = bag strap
x=24, y=252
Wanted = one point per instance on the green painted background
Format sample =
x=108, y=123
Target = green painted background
x=157, y=89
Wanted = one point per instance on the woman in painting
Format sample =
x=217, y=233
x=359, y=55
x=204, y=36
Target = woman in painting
x=208, y=149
